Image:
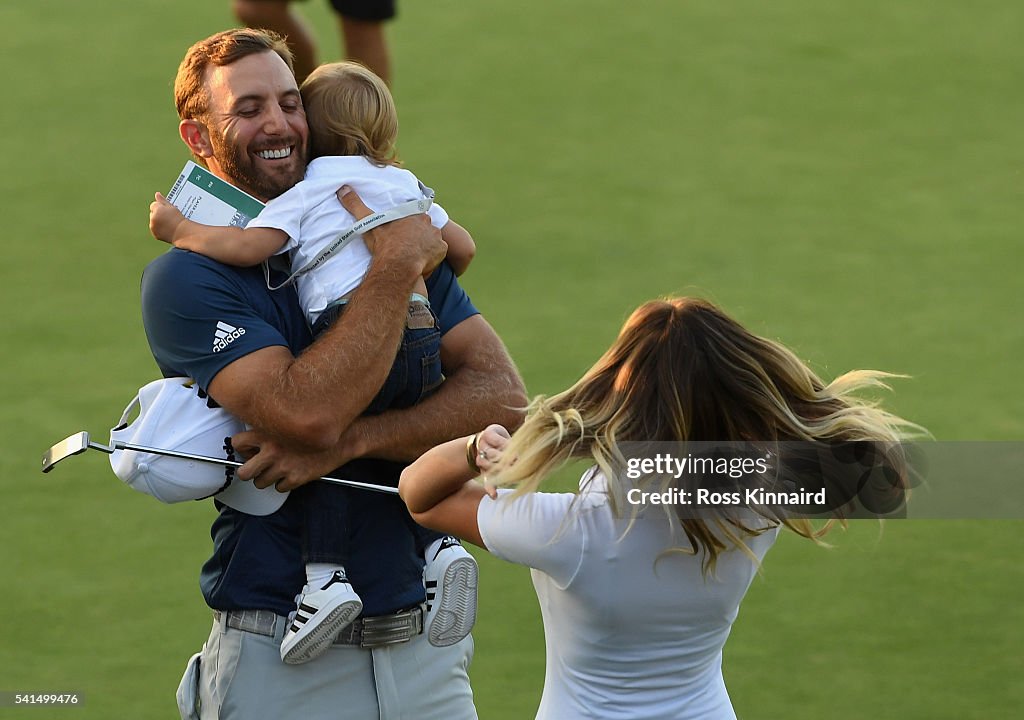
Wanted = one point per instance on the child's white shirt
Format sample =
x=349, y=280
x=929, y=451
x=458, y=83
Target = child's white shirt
x=312, y=216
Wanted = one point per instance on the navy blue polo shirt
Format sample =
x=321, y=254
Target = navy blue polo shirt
x=200, y=316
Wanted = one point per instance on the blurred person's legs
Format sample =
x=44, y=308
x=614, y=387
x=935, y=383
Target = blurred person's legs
x=366, y=44
x=361, y=23
x=278, y=15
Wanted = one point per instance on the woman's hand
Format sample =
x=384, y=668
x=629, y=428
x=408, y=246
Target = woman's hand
x=490, y=446
x=439, y=489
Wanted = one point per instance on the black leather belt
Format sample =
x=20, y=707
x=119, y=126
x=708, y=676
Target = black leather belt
x=367, y=632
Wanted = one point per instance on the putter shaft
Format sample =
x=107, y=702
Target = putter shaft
x=80, y=442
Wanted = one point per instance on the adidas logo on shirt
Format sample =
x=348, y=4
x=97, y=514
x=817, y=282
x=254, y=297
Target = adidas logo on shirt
x=225, y=334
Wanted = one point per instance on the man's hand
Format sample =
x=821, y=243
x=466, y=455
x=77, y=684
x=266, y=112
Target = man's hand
x=164, y=219
x=270, y=463
x=411, y=239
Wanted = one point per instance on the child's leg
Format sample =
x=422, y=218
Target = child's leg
x=416, y=372
x=450, y=576
x=327, y=603
x=325, y=523
x=450, y=573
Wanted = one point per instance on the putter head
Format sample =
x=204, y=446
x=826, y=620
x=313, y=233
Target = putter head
x=71, y=445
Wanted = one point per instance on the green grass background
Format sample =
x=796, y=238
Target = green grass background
x=846, y=177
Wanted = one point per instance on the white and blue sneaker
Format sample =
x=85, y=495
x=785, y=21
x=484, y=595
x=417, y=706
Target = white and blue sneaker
x=450, y=578
x=318, y=618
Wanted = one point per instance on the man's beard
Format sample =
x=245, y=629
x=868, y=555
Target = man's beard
x=239, y=167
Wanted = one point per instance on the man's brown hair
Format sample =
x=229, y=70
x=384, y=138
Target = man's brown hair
x=224, y=48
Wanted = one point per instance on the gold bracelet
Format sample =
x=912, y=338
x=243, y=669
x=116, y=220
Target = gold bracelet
x=471, y=453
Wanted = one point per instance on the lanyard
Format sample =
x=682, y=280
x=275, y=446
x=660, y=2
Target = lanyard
x=413, y=207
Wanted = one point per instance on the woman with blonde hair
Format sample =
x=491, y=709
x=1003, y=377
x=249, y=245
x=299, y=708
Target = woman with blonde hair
x=637, y=603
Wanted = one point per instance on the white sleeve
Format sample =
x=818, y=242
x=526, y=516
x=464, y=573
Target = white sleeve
x=537, y=530
x=283, y=213
x=438, y=216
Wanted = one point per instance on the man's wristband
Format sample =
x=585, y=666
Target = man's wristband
x=471, y=453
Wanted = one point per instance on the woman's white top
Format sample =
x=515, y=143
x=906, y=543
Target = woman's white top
x=628, y=635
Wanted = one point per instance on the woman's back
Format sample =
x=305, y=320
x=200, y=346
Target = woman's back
x=634, y=631
x=628, y=635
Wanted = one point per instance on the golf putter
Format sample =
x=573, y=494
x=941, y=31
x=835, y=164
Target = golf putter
x=79, y=442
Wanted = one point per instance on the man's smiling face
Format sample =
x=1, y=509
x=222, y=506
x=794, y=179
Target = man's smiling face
x=256, y=124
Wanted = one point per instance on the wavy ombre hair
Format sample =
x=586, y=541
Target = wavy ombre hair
x=682, y=370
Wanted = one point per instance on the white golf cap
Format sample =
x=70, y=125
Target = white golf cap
x=172, y=416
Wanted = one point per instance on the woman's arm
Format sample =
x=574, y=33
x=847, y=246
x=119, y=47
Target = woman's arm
x=229, y=245
x=438, y=487
x=461, y=247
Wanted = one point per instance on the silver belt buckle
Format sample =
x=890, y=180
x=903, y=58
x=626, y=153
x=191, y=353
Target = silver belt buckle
x=390, y=629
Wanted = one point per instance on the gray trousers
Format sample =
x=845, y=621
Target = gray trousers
x=241, y=677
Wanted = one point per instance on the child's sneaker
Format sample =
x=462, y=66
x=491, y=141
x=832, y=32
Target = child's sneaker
x=450, y=577
x=320, y=616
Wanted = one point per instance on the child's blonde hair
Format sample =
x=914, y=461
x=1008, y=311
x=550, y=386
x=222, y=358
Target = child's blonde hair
x=350, y=111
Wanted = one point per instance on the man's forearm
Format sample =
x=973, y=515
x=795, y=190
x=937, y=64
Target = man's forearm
x=310, y=400
x=485, y=388
x=344, y=369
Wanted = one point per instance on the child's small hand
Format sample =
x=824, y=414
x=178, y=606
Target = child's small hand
x=164, y=219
